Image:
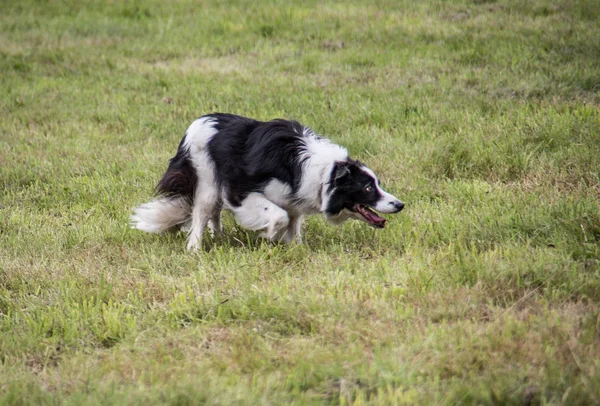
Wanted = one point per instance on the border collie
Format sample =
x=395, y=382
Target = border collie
x=268, y=174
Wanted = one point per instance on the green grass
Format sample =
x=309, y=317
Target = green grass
x=483, y=116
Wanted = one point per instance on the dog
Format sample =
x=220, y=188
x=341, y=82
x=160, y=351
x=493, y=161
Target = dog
x=270, y=175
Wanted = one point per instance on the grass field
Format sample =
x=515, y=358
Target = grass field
x=483, y=116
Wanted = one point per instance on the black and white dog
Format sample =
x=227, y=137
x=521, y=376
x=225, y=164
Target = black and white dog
x=268, y=174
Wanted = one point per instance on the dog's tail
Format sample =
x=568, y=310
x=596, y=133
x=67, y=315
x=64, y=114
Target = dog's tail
x=161, y=214
x=173, y=206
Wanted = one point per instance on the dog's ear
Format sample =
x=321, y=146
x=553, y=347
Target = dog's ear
x=341, y=173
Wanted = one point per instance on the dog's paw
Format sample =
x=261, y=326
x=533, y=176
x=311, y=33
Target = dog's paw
x=213, y=231
x=186, y=227
x=193, y=245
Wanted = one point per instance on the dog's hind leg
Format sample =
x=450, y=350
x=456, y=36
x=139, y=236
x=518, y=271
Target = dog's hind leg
x=196, y=230
x=206, y=204
x=257, y=213
x=215, y=227
x=206, y=211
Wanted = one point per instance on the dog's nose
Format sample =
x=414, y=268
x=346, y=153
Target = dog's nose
x=398, y=205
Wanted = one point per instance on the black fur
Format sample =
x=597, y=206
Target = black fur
x=180, y=179
x=249, y=153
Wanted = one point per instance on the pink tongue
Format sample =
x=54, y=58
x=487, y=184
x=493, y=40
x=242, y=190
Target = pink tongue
x=371, y=216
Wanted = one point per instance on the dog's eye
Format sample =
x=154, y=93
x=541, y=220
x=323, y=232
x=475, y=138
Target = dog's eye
x=369, y=189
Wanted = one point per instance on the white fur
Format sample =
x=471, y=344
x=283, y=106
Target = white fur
x=199, y=133
x=279, y=193
x=319, y=158
x=206, y=201
x=160, y=215
x=257, y=213
x=387, y=203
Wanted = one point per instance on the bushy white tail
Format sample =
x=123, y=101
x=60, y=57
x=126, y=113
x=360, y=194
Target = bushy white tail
x=161, y=214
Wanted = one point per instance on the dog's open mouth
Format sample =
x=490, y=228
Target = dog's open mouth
x=371, y=217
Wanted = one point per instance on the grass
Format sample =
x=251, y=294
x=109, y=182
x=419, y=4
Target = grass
x=481, y=115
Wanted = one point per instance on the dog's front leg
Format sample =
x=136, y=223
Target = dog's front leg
x=294, y=230
x=257, y=213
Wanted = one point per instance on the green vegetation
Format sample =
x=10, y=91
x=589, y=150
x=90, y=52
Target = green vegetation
x=483, y=116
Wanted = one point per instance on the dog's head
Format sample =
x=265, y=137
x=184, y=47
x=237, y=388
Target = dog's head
x=353, y=191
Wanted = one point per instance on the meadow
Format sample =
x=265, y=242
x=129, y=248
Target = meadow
x=482, y=116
